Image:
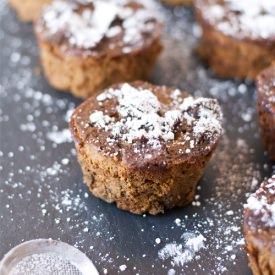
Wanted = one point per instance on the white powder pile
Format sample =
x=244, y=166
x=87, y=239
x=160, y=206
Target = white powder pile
x=139, y=111
x=181, y=253
x=87, y=29
x=122, y=267
x=246, y=18
x=140, y=115
x=60, y=137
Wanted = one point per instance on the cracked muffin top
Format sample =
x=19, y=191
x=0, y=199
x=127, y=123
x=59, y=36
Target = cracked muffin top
x=147, y=126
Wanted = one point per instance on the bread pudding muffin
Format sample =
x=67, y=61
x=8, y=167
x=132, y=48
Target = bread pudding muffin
x=238, y=37
x=145, y=147
x=259, y=229
x=266, y=108
x=28, y=10
x=86, y=46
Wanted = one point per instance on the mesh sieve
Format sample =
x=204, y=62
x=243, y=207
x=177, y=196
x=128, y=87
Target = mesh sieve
x=44, y=264
x=46, y=257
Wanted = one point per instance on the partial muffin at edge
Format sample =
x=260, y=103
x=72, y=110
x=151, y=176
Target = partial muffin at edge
x=28, y=10
x=178, y=2
x=87, y=46
x=145, y=147
x=266, y=108
x=238, y=37
x=259, y=228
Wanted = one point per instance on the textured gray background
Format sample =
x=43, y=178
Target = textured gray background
x=42, y=194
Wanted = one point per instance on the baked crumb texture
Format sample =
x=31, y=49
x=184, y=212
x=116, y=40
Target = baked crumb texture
x=87, y=46
x=28, y=10
x=238, y=37
x=178, y=2
x=145, y=147
x=259, y=229
x=266, y=108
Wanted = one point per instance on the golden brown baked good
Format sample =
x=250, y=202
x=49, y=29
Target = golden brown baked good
x=28, y=10
x=145, y=147
x=259, y=229
x=238, y=37
x=87, y=46
x=266, y=108
x=178, y=2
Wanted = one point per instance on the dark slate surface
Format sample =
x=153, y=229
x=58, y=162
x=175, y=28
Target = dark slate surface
x=42, y=194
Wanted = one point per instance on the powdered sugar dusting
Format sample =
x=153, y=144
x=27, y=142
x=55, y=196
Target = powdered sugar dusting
x=254, y=19
x=86, y=28
x=262, y=203
x=183, y=252
x=60, y=136
x=266, y=88
x=139, y=111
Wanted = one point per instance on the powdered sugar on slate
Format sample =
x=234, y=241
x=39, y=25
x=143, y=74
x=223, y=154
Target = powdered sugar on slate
x=60, y=136
x=140, y=115
x=37, y=204
x=184, y=252
x=246, y=18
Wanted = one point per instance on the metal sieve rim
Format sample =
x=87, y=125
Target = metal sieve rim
x=40, y=246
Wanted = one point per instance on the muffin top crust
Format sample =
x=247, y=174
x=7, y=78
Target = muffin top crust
x=144, y=125
x=98, y=27
x=241, y=19
x=266, y=89
x=260, y=208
